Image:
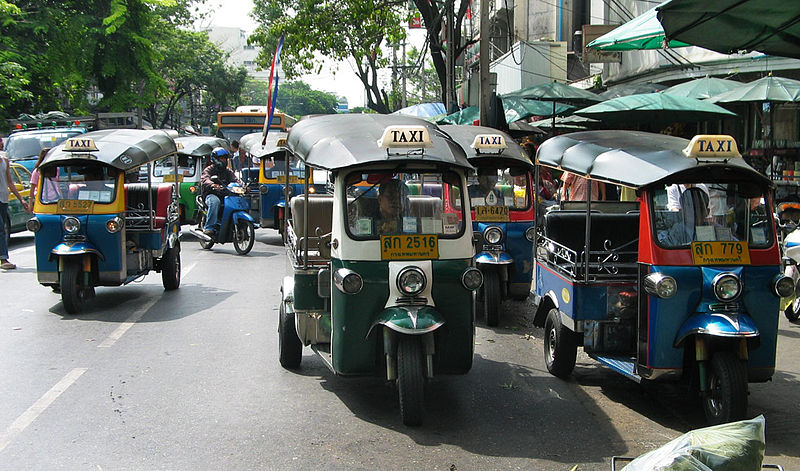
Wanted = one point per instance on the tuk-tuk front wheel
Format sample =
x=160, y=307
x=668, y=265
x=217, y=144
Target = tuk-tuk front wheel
x=290, y=349
x=244, y=237
x=171, y=268
x=73, y=292
x=560, y=346
x=410, y=380
x=726, y=398
x=792, y=311
x=491, y=297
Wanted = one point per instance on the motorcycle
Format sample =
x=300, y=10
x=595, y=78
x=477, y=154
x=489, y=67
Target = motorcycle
x=788, y=215
x=236, y=223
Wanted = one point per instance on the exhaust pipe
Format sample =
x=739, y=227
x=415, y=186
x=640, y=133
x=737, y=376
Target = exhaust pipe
x=199, y=235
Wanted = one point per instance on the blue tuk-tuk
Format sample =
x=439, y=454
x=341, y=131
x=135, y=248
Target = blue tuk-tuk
x=680, y=279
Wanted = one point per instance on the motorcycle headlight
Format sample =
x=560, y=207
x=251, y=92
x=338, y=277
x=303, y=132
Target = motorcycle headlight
x=530, y=233
x=472, y=278
x=71, y=225
x=33, y=225
x=493, y=235
x=411, y=281
x=658, y=284
x=727, y=286
x=347, y=281
x=783, y=286
x=114, y=224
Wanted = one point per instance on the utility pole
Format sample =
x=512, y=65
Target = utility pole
x=451, y=103
x=483, y=73
x=403, y=77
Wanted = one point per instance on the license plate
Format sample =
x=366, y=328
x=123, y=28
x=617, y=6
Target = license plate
x=171, y=177
x=75, y=206
x=720, y=253
x=410, y=247
x=491, y=213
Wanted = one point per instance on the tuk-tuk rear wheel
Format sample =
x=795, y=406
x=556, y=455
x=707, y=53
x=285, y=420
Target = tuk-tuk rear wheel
x=410, y=380
x=290, y=349
x=726, y=398
x=171, y=268
x=73, y=294
x=560, y=346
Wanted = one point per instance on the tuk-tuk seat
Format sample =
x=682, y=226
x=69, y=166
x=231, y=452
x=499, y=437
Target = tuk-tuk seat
x=425, y=206
x=136, y=203
x=320, y=221
x=602, y=206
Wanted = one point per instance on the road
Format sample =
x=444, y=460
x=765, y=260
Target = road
x=189, y=379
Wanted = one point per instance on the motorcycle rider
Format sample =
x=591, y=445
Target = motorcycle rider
x=216, y=189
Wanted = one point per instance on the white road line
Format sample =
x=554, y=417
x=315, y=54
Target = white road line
x=22, y=250
x=38, y=407
x=134, y=318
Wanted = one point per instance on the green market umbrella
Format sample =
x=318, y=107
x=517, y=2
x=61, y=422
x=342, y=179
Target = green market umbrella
x=517, y=108
x=631, y=89
x=642, y=32
x=765, y=89
x=557, y=92
x=654, y=107
x=728, y=26
x=467, y=115
x=703, y=88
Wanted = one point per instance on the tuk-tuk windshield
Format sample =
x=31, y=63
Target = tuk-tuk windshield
x=390, y=203
x=685, y=213
x=499, y=187
x=88, y=181
x=187, y=166
x=275, y=168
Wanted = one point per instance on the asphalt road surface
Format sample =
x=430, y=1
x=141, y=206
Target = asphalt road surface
x=189, y=379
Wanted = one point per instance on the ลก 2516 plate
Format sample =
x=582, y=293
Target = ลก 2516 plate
x=410, y=247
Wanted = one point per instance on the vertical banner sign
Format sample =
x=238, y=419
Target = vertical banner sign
x=272, y=94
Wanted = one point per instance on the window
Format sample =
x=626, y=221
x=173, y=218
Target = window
x=85, y=181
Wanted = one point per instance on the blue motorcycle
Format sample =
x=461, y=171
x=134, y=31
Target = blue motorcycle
x=236, y=224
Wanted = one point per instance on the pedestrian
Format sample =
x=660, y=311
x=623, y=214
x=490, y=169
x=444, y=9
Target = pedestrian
x=236, y=160
x=6, y=185
x=36, y=175
x=575, y=188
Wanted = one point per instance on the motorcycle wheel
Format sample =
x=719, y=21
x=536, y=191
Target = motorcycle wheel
x=203, y=243
x=726, y=399
x=792, y=311
x=290, y=349
x=244, y=237
x=410, y=380
x=491, y=297
x=171, y=268
x=73, y=294
x=560, y=346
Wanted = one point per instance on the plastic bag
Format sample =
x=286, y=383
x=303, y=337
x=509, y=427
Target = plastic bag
x=735, y=446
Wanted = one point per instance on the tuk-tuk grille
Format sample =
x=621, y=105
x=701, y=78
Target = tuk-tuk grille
x=724, y=307
x=406, y=300
x=74, y=238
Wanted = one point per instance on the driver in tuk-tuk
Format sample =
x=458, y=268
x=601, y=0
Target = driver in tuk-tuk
x=392, y=199
x=215, y=189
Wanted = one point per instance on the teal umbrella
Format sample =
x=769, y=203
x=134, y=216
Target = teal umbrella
x=557, y=92
x=467, y=115
x=703, y=88
x=769, y=88
x=642, y=32
x=631, y=89
x=654, y=108
x=728, y=26
x=517, y=108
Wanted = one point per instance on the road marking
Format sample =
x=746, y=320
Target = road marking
x=22, y=250
x=134, y=318
x=34, y=411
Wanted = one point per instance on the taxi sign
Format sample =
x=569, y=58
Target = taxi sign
x=489, y=142
x=410, y=247
x=405, y=136
x=281, y=142
x=720, y=253
x=716, y=146
x=80, y=144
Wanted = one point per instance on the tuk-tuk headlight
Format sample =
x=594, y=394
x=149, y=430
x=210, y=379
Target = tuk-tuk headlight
x=727, y=286
x=783, y=286
x=71, y=225
x=493, y=235
x=411, y=281
x=192, y=189
x=661, y=285
x=472, y=278
x=33, y=225
x=347, y=281
x=263, y=189
x=114, y=224
x=530, y=233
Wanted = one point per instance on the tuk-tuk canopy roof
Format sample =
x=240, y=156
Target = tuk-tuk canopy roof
x=251, y=143
x=632, y=158
x=333, y=142
x=511, y=154
x=124, y=149
x=199, y=146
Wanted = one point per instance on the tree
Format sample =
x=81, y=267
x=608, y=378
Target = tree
x=347, y=29
x=298, y=99
x=423, y=81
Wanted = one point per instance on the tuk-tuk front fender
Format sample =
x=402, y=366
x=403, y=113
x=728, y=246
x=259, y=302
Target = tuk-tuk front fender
x=78, y=248
x=242, y=215
x=715, y=324
x=493, y=258
x=412, y=320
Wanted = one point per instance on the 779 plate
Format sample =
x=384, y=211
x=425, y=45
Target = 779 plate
x=720, y=253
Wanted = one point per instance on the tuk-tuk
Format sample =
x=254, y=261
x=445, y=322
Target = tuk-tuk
x=503, y=209
x=383, y=279
x=94, y=229
x=193, y=152
x=273, y=189
x=680, y=279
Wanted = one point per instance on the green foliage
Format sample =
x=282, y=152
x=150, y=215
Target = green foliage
x=298, y=99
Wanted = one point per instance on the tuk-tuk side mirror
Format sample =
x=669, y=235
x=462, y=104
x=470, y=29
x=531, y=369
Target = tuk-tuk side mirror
x=786, y=261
